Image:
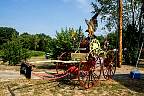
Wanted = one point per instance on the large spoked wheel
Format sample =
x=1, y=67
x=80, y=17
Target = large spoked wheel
x=109, y=70
x=89, y=73
x=61, y=67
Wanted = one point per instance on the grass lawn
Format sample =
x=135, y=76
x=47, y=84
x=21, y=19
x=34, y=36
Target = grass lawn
x=23, y=87
x=122, y=85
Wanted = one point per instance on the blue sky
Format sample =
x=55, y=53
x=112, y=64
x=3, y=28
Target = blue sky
x=45, y=16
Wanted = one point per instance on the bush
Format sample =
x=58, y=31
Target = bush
x=36, y=53
x=14, y=53
x=66, y=40
x=1, y=53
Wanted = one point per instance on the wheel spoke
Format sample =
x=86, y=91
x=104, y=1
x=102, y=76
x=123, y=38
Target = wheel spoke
x=89, y=73
x=86, y=81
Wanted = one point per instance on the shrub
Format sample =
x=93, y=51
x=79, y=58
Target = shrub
x=13, y=52
x=36, y=53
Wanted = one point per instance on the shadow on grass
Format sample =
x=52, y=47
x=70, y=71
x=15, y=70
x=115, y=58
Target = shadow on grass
x=37, y=84
x=140, y=65
x=58, y=84
x=69, y=81
x=71, y=84
x=132, y=84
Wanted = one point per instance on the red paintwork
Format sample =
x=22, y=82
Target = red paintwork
x=73, y=70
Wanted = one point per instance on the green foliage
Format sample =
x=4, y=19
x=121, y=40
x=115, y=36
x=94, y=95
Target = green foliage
x=15, y=47
x=132, y=27
x=65, y=41
x=25, y=39
x=44, y=42
x=36, y=53
x=112, y=38
x=38, y=42
x=109, y=11
x=1, y=53
x=101, y=40
x=130, y=41
x=62, y=43
x=13, y=52
x=6, y=34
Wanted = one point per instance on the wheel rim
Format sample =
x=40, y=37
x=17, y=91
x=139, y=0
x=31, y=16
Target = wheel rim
x=89, y=77
x=61, y=67
x=109, y=71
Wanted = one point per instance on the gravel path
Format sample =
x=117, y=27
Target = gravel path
x=14, y=74
x=10, y=74
x=122, y=85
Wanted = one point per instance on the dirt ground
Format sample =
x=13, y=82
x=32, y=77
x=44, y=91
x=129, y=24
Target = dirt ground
x=14, y=84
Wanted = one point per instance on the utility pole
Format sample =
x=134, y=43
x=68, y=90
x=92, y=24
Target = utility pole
x=120, y=32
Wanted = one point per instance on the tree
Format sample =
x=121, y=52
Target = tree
x=112, y=38
x=13, y=51
x=101, y=40
x=131, y=22
x=130, y=41
x=109, y=11
x=35, y=41
x=25, y=40
x=6, y=34
x=44, y=42
x=66, y=40
x=132, y=33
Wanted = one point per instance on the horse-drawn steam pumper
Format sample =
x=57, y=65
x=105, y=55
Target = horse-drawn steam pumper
x=86, y=64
